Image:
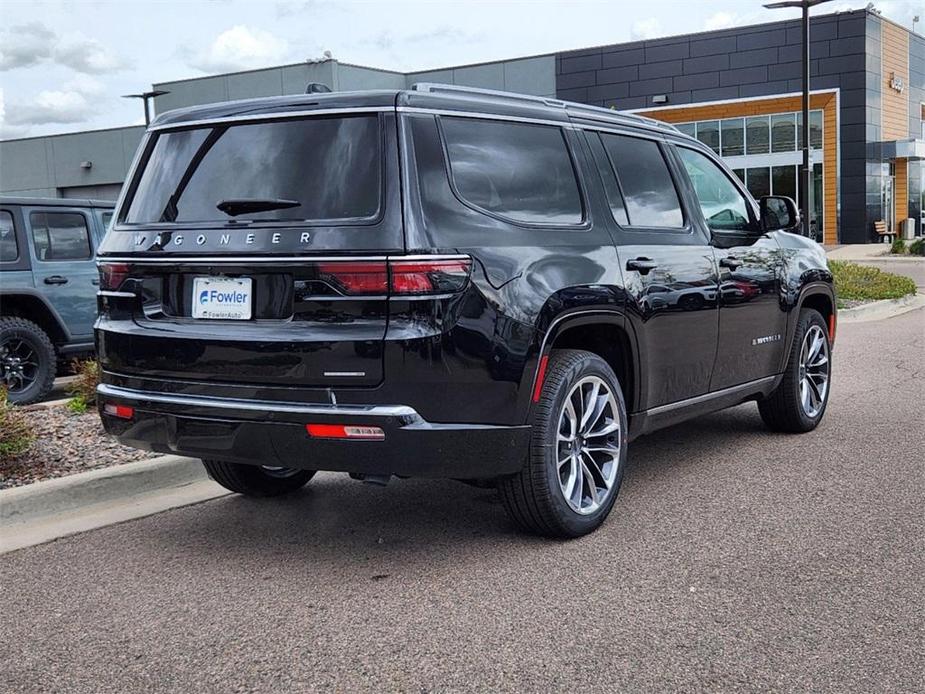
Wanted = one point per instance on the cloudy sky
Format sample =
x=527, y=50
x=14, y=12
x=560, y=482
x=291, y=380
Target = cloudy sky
x=65, y=63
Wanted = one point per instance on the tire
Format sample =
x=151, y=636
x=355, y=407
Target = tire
x=254, y=480
x=537, y=498
x=785, y=409
x=27, y=361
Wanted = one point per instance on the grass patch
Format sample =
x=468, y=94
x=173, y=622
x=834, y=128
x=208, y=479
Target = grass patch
x=855, y=282
x=16, y=436
x=83, y=391
x=917, y=247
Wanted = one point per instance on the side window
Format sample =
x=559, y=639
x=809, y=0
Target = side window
x=723, y=206
x=60, y=236
x=516, y=170
x=106, y=218
x=648, y=191
x=9, y=249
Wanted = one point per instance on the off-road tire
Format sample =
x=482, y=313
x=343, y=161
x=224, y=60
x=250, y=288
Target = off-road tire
x=532, y=497
x=44, y=350
x=781, y=410
x=253, y=480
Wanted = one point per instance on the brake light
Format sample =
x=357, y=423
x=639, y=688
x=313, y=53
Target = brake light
x=429, y=276
x=356, y=277
x=343, y=431
x=120, y=411
x=112, y=275
x=397, y=277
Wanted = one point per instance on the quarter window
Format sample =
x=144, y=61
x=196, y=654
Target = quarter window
x=723, y=206
x=60, y=236
x=650, y=195
x=9, y=250
x=516, y=170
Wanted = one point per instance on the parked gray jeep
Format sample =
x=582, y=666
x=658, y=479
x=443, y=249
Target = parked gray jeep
x=48, y=283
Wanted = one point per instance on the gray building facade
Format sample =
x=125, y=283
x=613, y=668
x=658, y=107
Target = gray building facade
x=736, y=89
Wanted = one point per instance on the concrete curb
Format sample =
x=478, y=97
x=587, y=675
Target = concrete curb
x=878, y=310
x=47, y=510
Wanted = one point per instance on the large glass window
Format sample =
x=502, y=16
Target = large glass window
x=688, y=128
x=516, y=170
x=722, y=204
x=733, y=137
x=313, y=168
x=758, y=135
x=758, y=181
x=815, y=130
x=784, y=181
x=60, y=236
x=650, y=195
x=9, y=249
x=708, y=134
x=783, y=132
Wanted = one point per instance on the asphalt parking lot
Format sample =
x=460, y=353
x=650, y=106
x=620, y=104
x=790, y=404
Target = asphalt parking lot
x=735, y=559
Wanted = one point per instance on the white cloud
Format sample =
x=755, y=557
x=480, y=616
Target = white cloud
x=647, y=29
x=88, y=56
x=75, y=102
x=721, y=20
x=25, y=45
x=241, y=48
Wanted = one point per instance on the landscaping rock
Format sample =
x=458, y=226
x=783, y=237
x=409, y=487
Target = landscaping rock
x=65, y=443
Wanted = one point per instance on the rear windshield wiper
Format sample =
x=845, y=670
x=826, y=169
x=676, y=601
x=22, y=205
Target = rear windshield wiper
x=250, y=205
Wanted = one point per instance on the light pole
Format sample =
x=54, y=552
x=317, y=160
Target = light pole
x=146, y=96
x=806, y=172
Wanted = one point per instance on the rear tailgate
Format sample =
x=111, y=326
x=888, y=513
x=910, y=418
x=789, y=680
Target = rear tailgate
x=285, y=288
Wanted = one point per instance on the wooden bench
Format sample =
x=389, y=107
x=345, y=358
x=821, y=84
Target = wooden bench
x=882, y=233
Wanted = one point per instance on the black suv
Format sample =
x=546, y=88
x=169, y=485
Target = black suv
x=444, y=282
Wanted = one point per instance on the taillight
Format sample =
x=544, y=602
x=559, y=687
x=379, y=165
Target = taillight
x=429, y=276
x=356, y=277
x=397, y=277
x=112, y=275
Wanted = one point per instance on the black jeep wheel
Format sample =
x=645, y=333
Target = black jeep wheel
x=798, y=404
x=257, y=480
x=577, y=451
x=27, y=360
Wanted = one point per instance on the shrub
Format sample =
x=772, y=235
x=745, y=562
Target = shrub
x=83, y=391
x=15, y=433
x=862, y=283
x=917, y=247
x=898, y=247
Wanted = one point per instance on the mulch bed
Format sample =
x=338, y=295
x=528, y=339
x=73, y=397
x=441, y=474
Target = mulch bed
x=65, y=443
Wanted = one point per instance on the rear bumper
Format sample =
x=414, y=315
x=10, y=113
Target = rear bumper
x=258, y=432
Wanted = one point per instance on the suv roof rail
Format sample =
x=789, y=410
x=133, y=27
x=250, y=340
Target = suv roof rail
x=511, y=96
x=595, y=112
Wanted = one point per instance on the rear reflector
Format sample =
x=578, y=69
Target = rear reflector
x=832, y=327
x=120, y=411
x=540, y=376
x=343, y=431
x=112, y=275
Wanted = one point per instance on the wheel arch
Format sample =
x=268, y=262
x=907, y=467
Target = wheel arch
x=603, y=332
x=821, y=297
x=31, y=305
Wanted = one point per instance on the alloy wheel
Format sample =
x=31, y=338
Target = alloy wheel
x=588, y=441
x=19, y=365
x=814, y=371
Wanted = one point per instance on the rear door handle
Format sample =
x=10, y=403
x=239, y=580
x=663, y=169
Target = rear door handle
x=56, y=279
x=95, y=281
x=641, y=265
x=730, y=262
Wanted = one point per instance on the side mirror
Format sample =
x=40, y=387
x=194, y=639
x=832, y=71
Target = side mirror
x=778, y=212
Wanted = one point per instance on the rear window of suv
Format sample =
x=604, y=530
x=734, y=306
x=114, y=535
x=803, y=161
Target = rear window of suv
x=331, y=167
